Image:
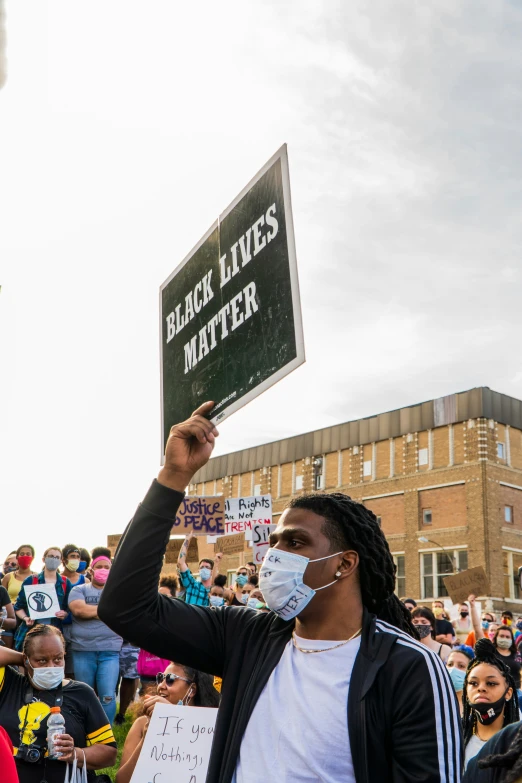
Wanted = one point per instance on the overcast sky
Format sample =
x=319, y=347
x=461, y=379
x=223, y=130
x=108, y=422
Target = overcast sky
x=125, y=129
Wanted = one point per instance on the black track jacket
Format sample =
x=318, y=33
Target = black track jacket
x=403, y=719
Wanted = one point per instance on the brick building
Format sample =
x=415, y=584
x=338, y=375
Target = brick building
x=448, y=470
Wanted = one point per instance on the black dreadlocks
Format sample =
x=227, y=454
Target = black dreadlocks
x=485, y=652
x=350, y=525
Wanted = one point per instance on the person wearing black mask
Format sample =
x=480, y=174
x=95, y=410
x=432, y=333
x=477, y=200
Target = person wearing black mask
x=462, y=624
x=489, y=698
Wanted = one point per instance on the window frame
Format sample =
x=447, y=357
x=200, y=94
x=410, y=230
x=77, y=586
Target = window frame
x=512, y=575
x=510, y=521
x=454, y=552
x=501, y=447
x=424, y=512
x=425, y=457
x=396, y=556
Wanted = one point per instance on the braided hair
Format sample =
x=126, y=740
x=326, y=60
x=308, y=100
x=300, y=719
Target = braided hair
x=485, y=652
x=350, y=525
x=40, y=630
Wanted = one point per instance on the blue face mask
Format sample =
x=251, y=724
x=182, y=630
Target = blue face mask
x=485, y=624
x=216, y=600
x=244, y=598
x=241, y=580
x=457, y=677
x=205, y=574
x=83, y=565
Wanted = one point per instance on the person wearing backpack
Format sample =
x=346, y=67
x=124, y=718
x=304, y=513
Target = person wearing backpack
x=49, y=575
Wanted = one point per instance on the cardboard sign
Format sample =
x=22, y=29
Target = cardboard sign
x=241, y=514
x=230, y=314
x=177, y=745
x=260, y=542
x=173, y=547
x=230, y=545
x=471, y=582
x=205, y=516
x=42, y=601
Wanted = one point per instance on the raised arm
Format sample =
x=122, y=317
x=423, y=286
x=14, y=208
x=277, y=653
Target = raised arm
x=130, y=603
x=475, y=619
x=182, y=557
x=217, y=560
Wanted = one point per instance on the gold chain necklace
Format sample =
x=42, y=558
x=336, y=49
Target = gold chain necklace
x=325, y=649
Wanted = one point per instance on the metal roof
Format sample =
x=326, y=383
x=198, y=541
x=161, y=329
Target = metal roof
x=473, y=404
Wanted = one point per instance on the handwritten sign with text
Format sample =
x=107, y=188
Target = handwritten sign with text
x=242, y=513
x=260, y=541
x=177, y=745
x=205, y=516
x=230, y=545
x=471, y=582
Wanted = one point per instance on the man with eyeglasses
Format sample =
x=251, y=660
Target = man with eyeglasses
x=10, y=564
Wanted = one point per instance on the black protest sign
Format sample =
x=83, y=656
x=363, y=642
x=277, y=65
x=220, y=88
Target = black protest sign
x=230, y=313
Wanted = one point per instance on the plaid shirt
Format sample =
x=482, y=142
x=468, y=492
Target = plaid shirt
x=195, y=592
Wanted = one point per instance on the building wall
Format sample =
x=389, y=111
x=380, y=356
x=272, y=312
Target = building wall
x=464, y=483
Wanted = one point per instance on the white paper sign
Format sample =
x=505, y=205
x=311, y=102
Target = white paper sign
x=177, y=745
x=242, y=513
x=42, y=601
x=260, y=541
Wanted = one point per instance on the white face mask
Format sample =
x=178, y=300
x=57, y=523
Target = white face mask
x=47, y=677
x=281, y=582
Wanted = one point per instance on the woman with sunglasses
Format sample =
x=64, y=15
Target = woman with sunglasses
x=176, y=685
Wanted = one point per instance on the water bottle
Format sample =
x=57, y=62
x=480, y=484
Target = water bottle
x=55, y=725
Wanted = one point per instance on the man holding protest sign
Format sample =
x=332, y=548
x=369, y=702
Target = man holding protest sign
x=334, y=674
x=197, y=593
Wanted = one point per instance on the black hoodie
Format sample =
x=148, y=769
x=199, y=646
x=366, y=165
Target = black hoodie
x=403, y=718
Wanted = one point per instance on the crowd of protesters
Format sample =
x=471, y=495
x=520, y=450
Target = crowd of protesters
x=318, y=670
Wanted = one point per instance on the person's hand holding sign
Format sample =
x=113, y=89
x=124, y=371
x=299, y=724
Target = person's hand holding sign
x=189, y=447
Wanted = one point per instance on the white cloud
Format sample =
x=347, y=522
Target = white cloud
x=126, y=127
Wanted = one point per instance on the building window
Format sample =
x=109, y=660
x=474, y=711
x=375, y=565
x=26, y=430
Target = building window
x=426, y=516
x=298, y=483
x=257, y=489
x=400, y=574
x=367, y=470
x=508, y=514
x=512, y=562
x=318, y=466
x=423, y=456
x=501, y=451
x=435, y=566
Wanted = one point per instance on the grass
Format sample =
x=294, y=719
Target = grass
x=120, y=732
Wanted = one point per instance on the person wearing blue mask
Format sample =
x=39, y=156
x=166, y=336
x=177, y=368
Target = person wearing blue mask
x=241, y=580
x=197, y=592
x=334, y=673
x=457, y=665
x=217, y=596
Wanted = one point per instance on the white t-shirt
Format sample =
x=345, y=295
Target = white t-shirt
x=298, y=729
x=473, y=747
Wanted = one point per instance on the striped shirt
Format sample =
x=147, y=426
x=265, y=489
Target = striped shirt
x=447, y=734
x=195, y=592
